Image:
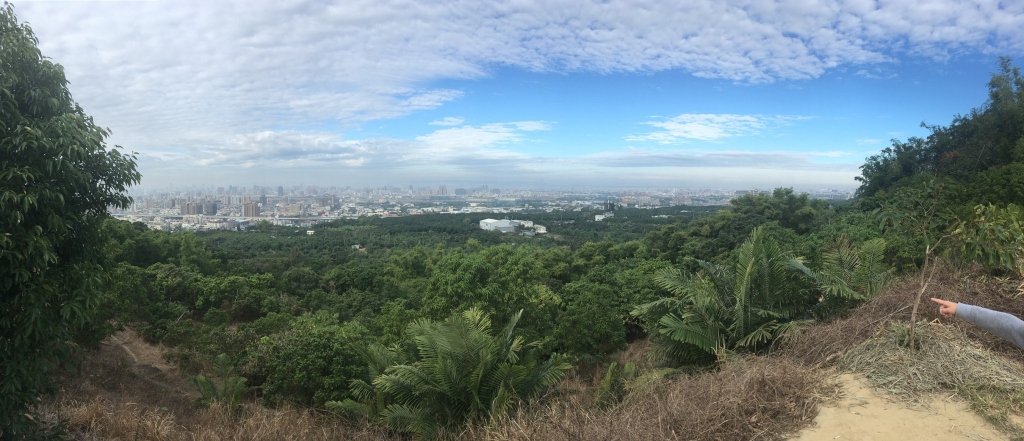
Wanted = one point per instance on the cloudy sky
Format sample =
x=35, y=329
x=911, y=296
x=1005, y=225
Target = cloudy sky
x=529, y=94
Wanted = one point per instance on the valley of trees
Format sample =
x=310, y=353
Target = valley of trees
x=436, y=324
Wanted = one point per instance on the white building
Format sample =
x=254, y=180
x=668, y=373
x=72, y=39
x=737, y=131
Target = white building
x=504, y=225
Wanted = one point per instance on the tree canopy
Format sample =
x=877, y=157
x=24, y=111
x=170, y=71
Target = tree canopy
x=57, y=180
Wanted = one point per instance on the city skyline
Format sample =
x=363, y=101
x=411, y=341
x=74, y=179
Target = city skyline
x=536, y=94
x=240, y=207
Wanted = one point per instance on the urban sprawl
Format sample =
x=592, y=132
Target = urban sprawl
x=237, y=208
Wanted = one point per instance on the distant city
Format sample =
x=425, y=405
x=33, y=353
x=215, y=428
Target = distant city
x=239, y=207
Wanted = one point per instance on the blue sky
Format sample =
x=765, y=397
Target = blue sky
x=517, y=93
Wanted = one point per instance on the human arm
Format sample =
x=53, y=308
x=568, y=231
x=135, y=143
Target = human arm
x=1001, y=324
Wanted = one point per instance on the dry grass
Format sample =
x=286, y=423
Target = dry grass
x=114, y=397
x=945, y=360
x=953, y=357
x=822, y=344
x=749, y=399
x=100, y=419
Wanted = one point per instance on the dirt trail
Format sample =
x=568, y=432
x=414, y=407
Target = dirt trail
x=148, y=363
x=864, y=415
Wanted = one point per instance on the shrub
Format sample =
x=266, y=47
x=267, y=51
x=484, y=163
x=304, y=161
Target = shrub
x=216, y=317
x=461, y=373
x=231, y=388
x=312, y=362
x=723, y=308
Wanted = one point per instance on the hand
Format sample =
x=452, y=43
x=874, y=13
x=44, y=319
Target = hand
x=946, y=308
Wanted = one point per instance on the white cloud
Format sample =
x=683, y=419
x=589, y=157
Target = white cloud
x=709, y=127
x=291, y=148
x=448, y=121
x=179, y=75
x=474, y=138
x=531, y=126
x=184, y=69
x=869, y=141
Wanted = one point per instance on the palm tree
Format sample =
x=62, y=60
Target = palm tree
x=461, y=373
x=849, y=275
x=728, y=308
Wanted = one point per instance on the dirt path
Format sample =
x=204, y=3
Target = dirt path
x=863, y=415
x=148, y=363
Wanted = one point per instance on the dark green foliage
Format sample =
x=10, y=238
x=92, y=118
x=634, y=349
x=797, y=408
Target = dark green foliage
x=57, y=179
x=311, y=362
x=994, y=237
x=232, y=387
x=216, y=317
x=915, y=219
x=999, y=185
x=461, y=372
x=713, y=238
x=849, y=275
x=500, y=280
x=978, y=150
x=615, y=383
x=592, y=323
x=723, y=308
x=158, y=317
x=272, y=323
x=790, y=210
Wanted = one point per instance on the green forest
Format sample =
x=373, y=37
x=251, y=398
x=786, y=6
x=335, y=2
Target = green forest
x=432, y=323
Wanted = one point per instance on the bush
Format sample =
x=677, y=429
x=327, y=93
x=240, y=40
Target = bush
x=591, y=324
x=216, y=317
x=461, y=373
x=312, y=362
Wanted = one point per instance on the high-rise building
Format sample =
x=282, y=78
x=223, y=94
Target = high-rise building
x=250, y=209
x=210, y=208
x=191, y=208
x=280, y=191
x=327, y=201
x=442, y=190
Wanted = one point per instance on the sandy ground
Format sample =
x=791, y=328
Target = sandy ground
x=864, y=415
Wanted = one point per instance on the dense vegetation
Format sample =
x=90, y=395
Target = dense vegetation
x=57, y=179
x=313, y=321
x=433, y=323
